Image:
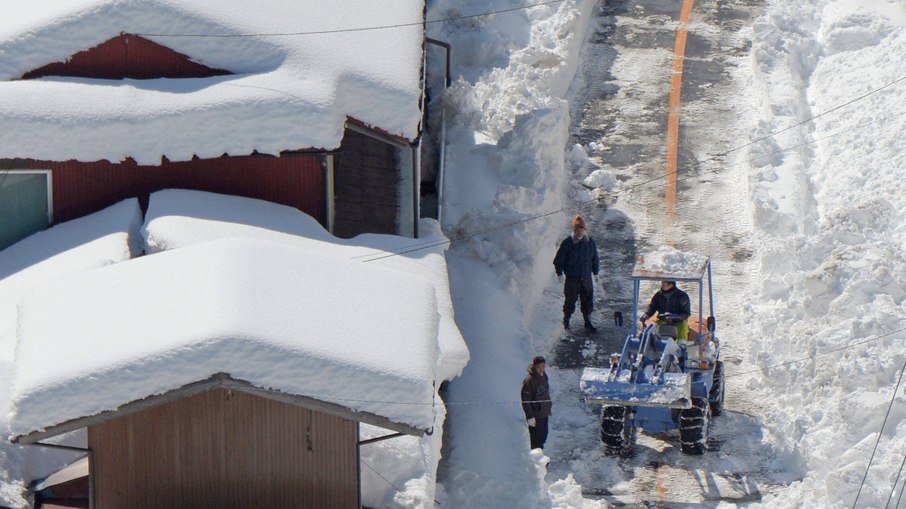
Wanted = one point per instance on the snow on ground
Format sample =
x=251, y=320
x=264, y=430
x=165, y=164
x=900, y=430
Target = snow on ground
x=831, y=226
x=507, y=131
x=372, y=76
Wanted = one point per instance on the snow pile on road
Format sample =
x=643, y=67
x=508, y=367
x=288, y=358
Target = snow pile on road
x=287, y=93
x=507, y=131
x=833, y=263
x=97, y=240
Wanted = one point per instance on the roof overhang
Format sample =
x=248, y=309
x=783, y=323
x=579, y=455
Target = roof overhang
x=217, y=381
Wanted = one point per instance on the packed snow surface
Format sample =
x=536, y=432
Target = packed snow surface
x=829, y=211
x=288, y=91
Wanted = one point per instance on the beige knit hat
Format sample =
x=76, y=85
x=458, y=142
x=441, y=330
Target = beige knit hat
x=578, y=222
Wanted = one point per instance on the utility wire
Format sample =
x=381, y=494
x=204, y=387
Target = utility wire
x=362, y=29
x=896, y=481
x=810, y=357
x=381, y=476
x=880, y=433
x=900, y=496
x=582, y=204
x=835, y=108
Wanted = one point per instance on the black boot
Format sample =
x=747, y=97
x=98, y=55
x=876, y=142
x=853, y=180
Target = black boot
x=566, y=322
x=589, y=325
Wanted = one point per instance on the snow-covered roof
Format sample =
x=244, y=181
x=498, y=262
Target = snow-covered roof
x=179, y=218
x=288, y=91
x=279, y=317
x=668, y=263
x=264, y=295
x=96, y=240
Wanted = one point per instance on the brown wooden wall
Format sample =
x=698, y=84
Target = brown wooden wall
x=127, y=56
x=367, y=187
x=222, y=449
x=82, y=188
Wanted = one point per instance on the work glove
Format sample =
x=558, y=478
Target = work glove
x=531, y=422
x=595, y=277
x=560, y=277
x=644, y=318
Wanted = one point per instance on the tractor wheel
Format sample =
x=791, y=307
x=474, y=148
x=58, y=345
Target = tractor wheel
x=716, y=395
x=694, y=424
x=613, y=428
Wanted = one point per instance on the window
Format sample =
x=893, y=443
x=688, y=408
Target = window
x=25, y=204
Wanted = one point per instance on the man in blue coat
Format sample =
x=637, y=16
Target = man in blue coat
x=577, y=259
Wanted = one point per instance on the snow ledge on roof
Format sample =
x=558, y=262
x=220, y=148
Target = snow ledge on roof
x=288, y=93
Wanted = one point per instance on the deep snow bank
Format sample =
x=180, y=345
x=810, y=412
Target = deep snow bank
x=831, y=222
x=507, y=131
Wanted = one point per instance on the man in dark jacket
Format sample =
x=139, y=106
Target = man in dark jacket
x=577, y=259
x=536, y=402
x=674, y=303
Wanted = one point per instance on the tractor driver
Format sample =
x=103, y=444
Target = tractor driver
x=672, y=306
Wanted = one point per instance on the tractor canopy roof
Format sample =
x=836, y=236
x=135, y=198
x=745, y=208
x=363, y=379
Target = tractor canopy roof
x=669, y=264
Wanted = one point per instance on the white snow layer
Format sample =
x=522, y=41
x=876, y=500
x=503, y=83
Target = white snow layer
x=833, y=264
x=288, y=91
x=507, y=129
x=106, y=237
x=280, y=317
x=222, y=272
x=180, y=218
x=670, y=262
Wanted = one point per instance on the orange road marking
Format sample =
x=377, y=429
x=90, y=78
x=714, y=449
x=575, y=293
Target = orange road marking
x=676, y=83
x=660, y=489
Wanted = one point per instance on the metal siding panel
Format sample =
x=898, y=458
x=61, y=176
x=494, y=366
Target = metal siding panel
x=127, y=56
x=367, y=187
x=225, y=449
x=82, y=188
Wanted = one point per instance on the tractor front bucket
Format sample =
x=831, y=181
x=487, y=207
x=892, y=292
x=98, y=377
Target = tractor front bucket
x=668, y=390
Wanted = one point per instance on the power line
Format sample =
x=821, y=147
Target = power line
x=582, y=204
x=362, y=29
x=810, y=357
x=880, y=433
x=835, y=108
x=893, y=488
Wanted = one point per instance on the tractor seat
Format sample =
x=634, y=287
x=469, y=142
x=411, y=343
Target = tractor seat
x=667, y=331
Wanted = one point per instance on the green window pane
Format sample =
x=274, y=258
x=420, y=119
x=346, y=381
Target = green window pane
x=23, y=206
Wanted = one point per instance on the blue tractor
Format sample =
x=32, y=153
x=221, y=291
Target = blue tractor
x=658, y=382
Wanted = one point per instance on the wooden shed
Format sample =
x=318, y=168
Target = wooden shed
x=224, y=443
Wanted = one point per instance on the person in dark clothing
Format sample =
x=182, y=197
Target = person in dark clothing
x=674, y=303
x=536, y=402
x=577, y=259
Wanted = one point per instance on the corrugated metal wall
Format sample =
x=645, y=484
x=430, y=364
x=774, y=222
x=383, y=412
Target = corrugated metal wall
x=127, y=56
x=82, y=188
x=367, y=187
x=223, y=449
